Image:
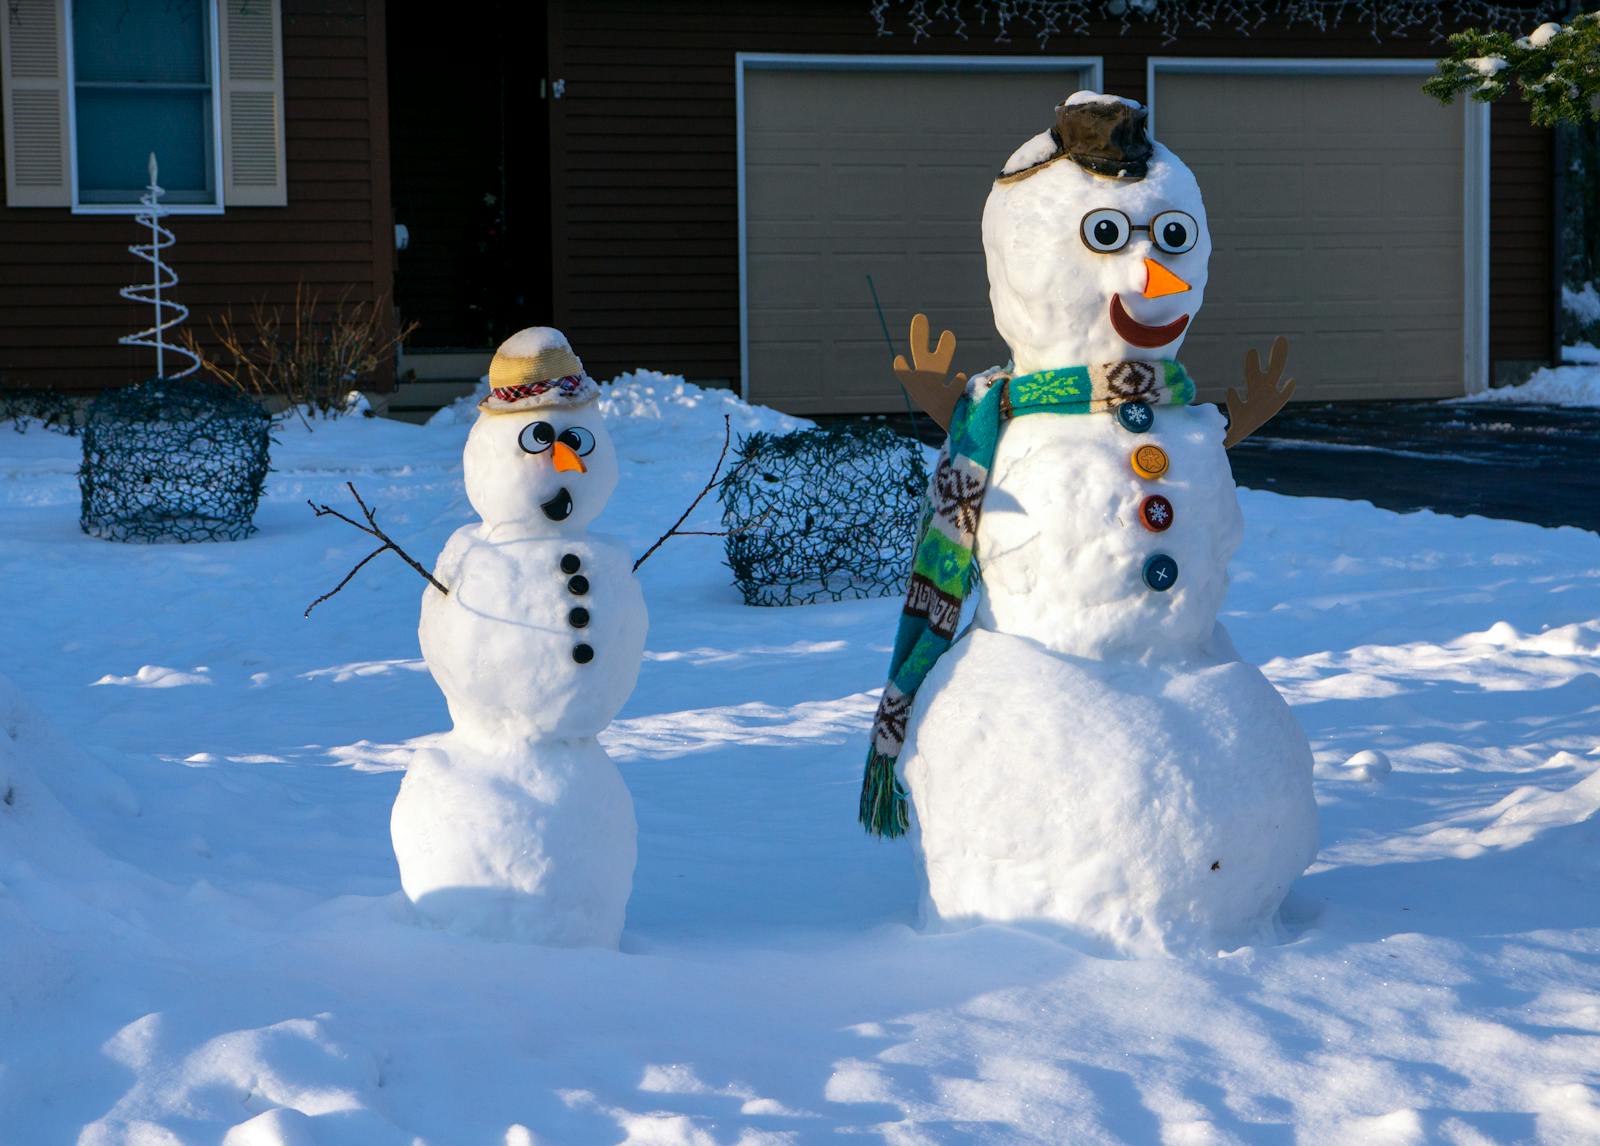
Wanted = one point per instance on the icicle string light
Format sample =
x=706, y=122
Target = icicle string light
x=1046, y=20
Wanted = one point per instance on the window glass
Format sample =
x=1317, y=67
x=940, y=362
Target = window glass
x=142, y=80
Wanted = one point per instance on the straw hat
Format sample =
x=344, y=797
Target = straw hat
x=536, y=368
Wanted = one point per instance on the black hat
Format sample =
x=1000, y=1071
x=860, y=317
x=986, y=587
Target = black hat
x=1104, y=135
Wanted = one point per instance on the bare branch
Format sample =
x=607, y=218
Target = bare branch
x=711, y=484
x=348, y=577
x=371, y=529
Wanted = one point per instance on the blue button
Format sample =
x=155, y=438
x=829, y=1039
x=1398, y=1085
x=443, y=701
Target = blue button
x=1161, y=572
x=1136, y=417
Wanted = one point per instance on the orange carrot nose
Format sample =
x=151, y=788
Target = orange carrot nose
x=1160, y=282
x=565, y=458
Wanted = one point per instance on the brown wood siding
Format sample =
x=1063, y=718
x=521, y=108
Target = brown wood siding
x=60, y=316
x=645, y=186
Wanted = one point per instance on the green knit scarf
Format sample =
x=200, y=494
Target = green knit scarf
x=941, y=573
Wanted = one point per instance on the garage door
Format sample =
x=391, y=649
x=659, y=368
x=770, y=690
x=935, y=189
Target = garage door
x=851, y=173
x=1336, y=209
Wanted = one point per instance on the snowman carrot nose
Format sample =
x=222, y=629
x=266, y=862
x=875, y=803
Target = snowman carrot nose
x=1160, y=282
x=566, y=458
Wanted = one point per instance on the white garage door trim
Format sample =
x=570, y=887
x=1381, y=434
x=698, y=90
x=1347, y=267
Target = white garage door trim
x=1475, y=173
x=773, y=61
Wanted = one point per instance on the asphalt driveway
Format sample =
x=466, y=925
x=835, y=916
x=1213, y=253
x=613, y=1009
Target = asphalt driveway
x=1527, y=463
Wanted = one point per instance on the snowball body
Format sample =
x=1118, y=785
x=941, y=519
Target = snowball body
x=1091, y=754
x=500, y=644
x=532, y=842
x=1061, y=547
x=517, y=825
x=1157, y=806
x=1051, y=295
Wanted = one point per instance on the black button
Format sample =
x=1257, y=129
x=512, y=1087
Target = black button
x=1160, y=572
x=1136, y=417
x=578, y=618
x=570, y=563
x=578, y=585
x=583, y=654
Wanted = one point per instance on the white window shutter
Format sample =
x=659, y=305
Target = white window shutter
x=33, y=63
x=250, y=46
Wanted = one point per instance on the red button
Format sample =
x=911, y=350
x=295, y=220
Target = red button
x=1155, y=512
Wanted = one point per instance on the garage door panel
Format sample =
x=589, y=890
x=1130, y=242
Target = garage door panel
x=1273, y=190
x=902, y=162
x=1349, y=241
x=866, y=190
x=791, y=369
x=782, y=191
x=1345, y=190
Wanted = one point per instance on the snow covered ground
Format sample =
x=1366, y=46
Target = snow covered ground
x=1576, y=384
x=202, y=940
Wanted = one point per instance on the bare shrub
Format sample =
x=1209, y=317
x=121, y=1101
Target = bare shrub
x=308, y=358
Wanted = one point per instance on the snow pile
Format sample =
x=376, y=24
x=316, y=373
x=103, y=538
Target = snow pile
x=638, y=399
x=1550, y=386
x=54, y=882
x=648, y=400
x=534, y=341
x=1540, y=36
x=1581, y=305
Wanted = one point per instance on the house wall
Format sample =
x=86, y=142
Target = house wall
x=60, y=315
x=645, y=186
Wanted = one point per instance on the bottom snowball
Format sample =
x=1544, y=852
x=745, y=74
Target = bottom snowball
x=535, y=844
x=1154, y=807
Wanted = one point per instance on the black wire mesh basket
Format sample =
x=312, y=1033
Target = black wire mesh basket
x=823, y=515
x=49, y=409
x=173, y=460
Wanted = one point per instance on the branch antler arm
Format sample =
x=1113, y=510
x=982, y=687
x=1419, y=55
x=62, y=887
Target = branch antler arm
x=925, y=377
x=1263, y=395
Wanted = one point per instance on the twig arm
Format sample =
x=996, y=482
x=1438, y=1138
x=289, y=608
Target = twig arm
x=371, y=529
x=347, y=579
x=711, y=484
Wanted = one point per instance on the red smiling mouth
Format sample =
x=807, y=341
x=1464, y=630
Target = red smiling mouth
x=1136, y=333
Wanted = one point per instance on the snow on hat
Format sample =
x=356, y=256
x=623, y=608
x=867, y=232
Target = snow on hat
x=1104, y=134
x=533, y=368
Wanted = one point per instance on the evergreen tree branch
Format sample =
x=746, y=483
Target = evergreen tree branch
x=1555, y=68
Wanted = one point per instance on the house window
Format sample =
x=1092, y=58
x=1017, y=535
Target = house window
x=143, y=82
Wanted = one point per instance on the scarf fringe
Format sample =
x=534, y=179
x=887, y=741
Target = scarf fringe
x=883, y=800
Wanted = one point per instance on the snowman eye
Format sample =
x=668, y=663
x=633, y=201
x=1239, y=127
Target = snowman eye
x=578, y=440
x=1105, y=230
x=1174, y=231
x=536, y=437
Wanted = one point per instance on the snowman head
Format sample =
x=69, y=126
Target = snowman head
x=1096, y=241
x=539, y=454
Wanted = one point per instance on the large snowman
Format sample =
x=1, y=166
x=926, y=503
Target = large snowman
x=517, y=824
x=1090, y=752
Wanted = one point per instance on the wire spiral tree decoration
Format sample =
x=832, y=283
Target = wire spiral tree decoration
x=173, y=458
x=166, y=313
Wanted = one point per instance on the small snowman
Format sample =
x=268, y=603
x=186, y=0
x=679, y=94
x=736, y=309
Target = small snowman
x=1090, y=752
x=517, y=825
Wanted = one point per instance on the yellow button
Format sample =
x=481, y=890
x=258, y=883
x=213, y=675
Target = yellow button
x=1149, y=462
